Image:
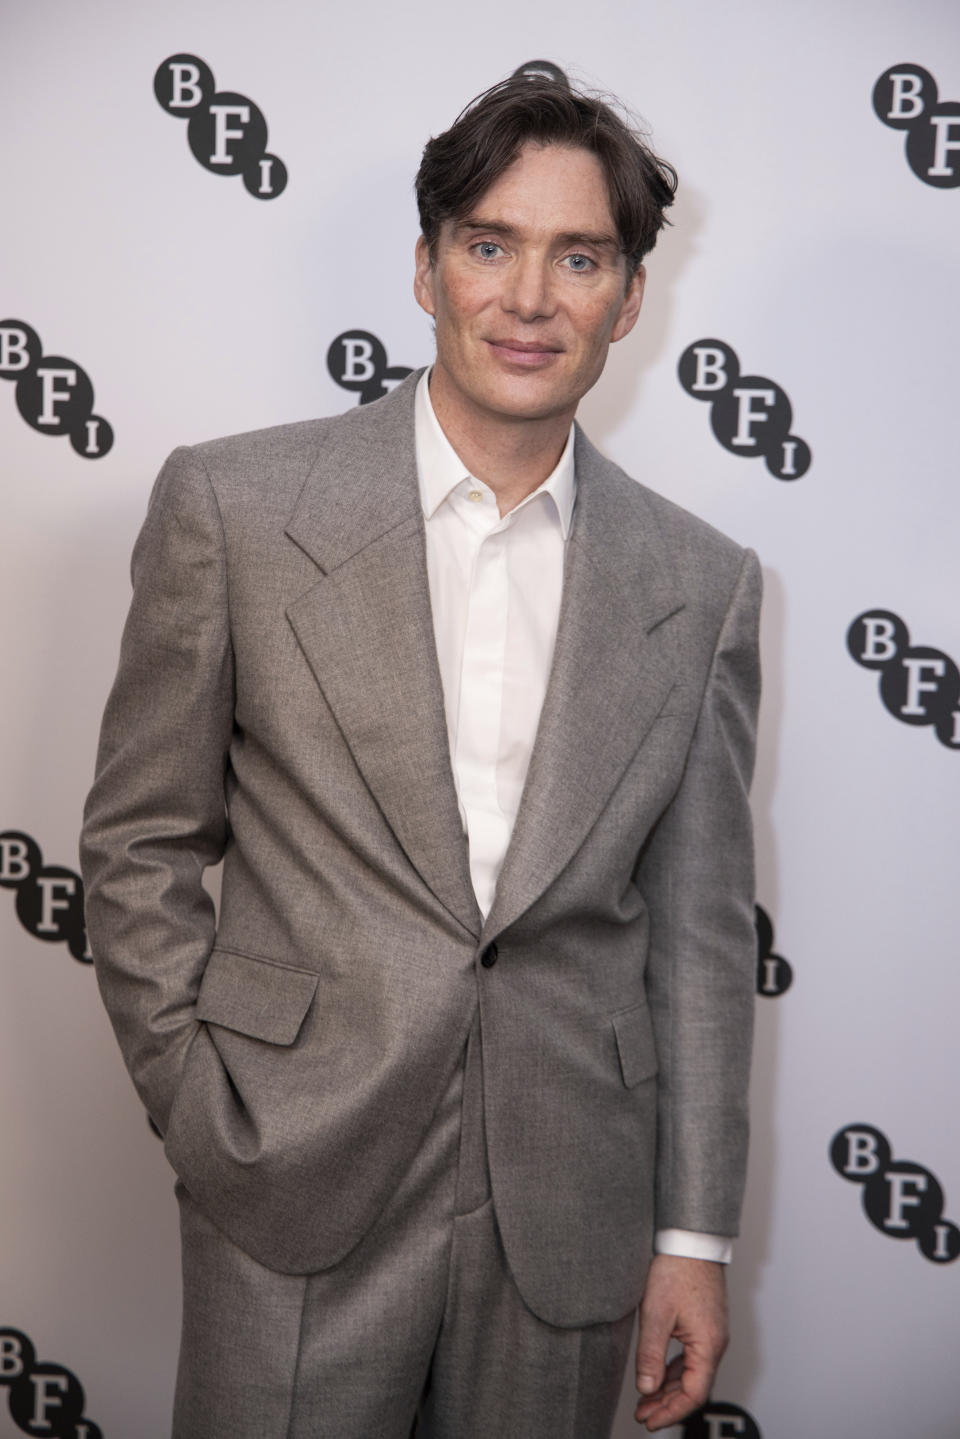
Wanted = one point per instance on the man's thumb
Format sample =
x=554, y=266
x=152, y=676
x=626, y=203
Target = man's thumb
x=655, y=1329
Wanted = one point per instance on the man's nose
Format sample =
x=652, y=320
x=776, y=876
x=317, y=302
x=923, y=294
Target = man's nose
x=528, y=292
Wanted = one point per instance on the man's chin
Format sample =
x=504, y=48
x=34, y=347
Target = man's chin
x=521, y=396
x=523, y=399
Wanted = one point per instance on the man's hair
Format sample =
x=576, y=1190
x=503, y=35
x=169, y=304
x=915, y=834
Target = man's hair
x=461, y=164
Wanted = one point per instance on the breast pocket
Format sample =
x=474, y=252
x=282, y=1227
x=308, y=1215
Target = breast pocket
x=256, y=997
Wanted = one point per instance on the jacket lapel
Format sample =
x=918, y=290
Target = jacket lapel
x=366, y=630
x=613, y=669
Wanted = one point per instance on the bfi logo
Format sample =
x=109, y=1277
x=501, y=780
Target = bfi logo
x=918, y=685
x=226, y=132
x=54, y=395
x=357, y=361
x=749, y=415
x=774, y=973
x=49, y=899
x=901, y=1199
x=543, y=70
x=905, y=98
x=42, y=1398
x=718, y=1420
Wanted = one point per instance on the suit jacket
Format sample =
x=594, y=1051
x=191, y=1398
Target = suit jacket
x=279, y=704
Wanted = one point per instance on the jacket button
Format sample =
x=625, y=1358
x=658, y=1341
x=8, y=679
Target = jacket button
x=489, y=957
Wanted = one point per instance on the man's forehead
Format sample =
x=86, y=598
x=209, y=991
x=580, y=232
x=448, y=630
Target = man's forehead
x=560, y=187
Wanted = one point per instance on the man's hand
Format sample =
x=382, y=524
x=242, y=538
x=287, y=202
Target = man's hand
x=685, y=1299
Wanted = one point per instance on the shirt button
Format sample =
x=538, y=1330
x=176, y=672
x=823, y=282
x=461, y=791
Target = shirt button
x=475, y=495
x=489, y=957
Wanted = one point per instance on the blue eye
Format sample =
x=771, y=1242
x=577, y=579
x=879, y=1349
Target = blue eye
x=579, y=263
x=487, y=249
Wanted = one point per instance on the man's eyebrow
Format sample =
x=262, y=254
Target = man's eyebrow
x=600, y=239
x=469, y=223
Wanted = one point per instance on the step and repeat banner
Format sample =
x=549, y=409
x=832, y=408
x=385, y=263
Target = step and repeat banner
x=207, y=225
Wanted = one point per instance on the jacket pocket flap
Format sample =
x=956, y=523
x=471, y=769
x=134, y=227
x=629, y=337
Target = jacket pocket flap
x=638, y=1054
x=255, y=996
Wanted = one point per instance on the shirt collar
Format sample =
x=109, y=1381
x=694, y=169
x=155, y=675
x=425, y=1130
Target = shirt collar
x=440, y=469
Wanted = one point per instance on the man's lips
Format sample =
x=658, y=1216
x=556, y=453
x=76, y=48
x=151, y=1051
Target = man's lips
x=526, y=352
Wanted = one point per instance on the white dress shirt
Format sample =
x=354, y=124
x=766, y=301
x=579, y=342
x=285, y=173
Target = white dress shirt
x=495, y=589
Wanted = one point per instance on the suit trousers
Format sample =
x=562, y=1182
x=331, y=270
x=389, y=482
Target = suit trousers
x=420, y=1330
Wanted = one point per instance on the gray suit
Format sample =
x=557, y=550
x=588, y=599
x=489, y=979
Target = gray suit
x=279, y=703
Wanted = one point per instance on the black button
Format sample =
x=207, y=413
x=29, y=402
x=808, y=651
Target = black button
x=489, y=957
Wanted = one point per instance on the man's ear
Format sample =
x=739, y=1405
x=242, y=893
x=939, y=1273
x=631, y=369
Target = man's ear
x=630, y=308
x=423, y=278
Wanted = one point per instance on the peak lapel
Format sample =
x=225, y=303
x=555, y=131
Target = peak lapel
x=612, y=672
x=366, y=630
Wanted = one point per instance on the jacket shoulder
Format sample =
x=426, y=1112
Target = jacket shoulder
x=278, y=460
x=686, y=534
x=279, y=457
x=701, y=560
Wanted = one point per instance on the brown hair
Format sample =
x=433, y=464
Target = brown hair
x=461, y=164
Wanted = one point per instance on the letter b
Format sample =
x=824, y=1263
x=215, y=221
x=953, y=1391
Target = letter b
x=185, y=89
x=20, y=857
x=902, y=94
x=707, y=368
x=181, y=83
x=12, y=1362
x=859, y=1151
x=711, y=373
x=879, y=643
x=16, y=347
x=357, y=359
x=876, y=638
x=906, y=96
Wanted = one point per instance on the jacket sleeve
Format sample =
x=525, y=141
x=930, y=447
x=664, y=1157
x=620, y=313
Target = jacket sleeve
x=155, y=817
x=697, y=878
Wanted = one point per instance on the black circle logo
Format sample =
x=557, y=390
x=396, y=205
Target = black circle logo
x=901, y=1199
x=905, y=98
x=357, y=361
x=542, y=70
x=719, y=1420
x=918, y=685
x=226, y=132
x=774, y=973
x=42, y=1398
x=53, y=394
x=49, y=898
x=750, y=415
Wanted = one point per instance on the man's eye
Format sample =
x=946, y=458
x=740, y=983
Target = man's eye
x=579, y=263
x=487, y=249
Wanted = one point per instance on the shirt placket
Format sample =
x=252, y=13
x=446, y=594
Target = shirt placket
x=481, y=696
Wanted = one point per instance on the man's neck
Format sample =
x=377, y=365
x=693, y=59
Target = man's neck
x=512, y=456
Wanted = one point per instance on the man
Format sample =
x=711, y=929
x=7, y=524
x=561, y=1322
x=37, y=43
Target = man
x=469, y=715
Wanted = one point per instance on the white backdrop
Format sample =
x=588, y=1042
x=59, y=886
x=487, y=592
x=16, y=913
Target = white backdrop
x=803, y=240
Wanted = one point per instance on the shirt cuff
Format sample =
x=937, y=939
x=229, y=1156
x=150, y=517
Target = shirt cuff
x=688, y=1244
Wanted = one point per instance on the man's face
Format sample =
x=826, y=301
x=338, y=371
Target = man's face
x=527, y=291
